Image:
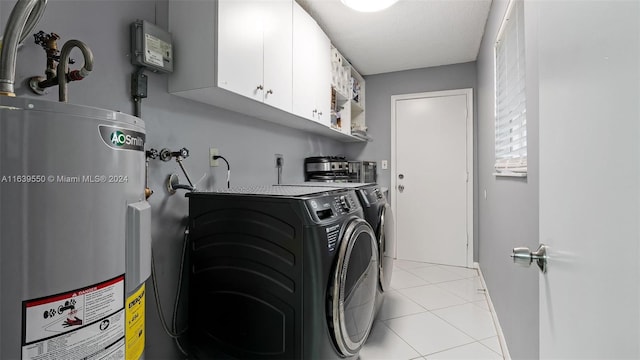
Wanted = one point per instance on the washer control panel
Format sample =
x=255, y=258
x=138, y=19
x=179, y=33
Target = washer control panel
x=329, y=207
x=344, y=204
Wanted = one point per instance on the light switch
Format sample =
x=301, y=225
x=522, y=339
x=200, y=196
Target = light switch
x=384, y=164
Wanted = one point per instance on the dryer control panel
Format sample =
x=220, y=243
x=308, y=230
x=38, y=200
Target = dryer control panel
x=327, y=208
x=372, y=195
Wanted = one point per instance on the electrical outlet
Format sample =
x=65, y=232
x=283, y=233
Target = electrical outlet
x=213, y=152
x=279, y=160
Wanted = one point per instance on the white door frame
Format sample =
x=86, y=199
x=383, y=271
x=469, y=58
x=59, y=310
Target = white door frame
x=394, y=175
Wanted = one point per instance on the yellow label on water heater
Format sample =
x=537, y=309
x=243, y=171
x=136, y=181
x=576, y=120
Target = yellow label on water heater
x=135, y=324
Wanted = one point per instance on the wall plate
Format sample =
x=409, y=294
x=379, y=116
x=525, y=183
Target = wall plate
x=213, y=152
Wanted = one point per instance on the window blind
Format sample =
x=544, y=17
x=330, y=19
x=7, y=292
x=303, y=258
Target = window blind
x=511, y=109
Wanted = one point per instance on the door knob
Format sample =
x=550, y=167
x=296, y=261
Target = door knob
x=523, y=256
x=400, y=176
x=401, y=188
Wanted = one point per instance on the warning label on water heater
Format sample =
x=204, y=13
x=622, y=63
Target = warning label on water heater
x=135, y=324
x=87, y=323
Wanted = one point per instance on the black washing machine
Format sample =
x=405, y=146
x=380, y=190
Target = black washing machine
x=377, y=212
x=280, y=273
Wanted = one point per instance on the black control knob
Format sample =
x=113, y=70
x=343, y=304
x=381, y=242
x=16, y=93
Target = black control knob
x=344, y=203
x=378, y=194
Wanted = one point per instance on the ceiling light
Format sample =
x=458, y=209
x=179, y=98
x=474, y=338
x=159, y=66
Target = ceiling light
x=368, y=5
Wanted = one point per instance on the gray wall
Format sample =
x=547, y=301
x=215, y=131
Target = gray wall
x=172, y=122
x=380, y=88
x=508, y=217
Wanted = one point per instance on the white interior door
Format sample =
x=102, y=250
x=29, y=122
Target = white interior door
x=589, y=178
x=432, y=146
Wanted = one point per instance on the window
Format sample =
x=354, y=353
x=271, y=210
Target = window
x=511, y=109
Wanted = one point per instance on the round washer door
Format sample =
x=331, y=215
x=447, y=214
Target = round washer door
x=354, y=286
x=385, y=246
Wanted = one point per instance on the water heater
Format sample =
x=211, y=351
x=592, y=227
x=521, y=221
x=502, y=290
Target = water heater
x=74, y=232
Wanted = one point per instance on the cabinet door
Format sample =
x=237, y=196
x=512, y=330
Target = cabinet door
x=278, y=57
x=323, y=77
x=240, y=51
x=304, y=43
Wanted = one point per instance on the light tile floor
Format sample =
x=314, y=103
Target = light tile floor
x=433, y=312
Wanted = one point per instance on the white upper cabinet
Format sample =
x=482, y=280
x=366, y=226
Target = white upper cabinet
x=239, y=55
x=254, y=50
x=323, y=78
x=311, y=69
x=240, y=47
x=303, y=61
x=278, y=57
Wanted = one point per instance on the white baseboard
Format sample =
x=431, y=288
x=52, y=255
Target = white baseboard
x=501, y=339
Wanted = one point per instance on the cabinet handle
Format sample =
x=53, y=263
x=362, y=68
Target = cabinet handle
x=269, y=91
x=319, y=113
x=315, y=111
x=260, y=87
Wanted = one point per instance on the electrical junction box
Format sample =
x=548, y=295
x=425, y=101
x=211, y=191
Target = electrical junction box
x=151, y=47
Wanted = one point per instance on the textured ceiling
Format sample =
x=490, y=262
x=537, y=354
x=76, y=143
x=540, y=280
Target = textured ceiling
x=409, y=35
